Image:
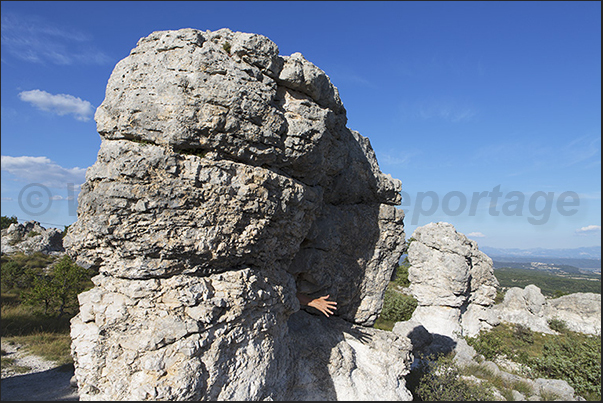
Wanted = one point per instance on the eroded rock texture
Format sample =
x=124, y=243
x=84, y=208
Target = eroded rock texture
x=31, y=237
x=452, y=280
x=226, y=182
x=580, y=312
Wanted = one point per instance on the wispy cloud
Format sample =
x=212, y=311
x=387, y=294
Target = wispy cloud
x=391, y=157
x=589, y=230
x=352, y=78
x=540, y=154
x=343, y=73
x=447, y=112
x=42, y=170
x=476, y=235
x=386, y=159
x=453, y=111
x=584, y=149
x=32, y=39
x=61, y=104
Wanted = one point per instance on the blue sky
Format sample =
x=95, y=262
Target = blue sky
x=488, y=112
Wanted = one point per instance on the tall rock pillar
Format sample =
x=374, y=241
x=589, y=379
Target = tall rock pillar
x=226, y=182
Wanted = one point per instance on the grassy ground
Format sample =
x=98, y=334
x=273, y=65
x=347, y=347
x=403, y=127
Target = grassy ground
x=45, y=336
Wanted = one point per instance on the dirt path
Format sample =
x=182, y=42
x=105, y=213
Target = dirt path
x=44, y=382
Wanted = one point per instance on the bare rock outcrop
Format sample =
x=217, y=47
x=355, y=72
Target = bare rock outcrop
x=580, y=312
x=452, y=280
x=226, y=182
x=31, y=237
x=455, y=286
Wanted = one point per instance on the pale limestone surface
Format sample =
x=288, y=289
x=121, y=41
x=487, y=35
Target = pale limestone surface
x=452, y=280
x=581, y=312
x=226, y=182
x=30, y=237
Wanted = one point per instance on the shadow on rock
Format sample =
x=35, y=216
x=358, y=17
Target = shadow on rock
x=333, y=359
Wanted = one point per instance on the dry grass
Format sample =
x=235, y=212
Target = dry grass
x=47, y=337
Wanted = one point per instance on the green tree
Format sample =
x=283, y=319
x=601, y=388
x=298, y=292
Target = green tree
x=57, y=291
x=40, y=293
x=68, y=281
x=16, y=276
x=6, y=221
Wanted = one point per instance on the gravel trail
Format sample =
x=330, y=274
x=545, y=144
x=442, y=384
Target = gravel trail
x=44, y=382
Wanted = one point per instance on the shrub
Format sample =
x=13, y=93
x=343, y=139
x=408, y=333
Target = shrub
x=500, y=296
x=488, y=344
x=397, y=307
x=575, y=358
x=19, y=270
x=440, y=380
x=16, y=276
x=557, y=325
x=36, y=260
x=401, y=275
x=570, y=356
x=523, y=334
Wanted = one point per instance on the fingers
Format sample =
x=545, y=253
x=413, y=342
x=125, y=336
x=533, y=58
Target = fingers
x=326, y=306
x=323, y=305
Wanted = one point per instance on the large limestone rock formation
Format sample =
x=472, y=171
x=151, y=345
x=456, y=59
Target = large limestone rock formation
x=452, y=280
x=455, y=286
x=31, y=237
x=226, y=182
x=581, y=311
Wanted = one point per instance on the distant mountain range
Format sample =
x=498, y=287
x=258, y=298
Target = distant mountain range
x=591, y=252
x=577, y=260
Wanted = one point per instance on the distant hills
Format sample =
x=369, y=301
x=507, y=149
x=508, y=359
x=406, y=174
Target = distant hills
x=560, y=261
x=590, y=252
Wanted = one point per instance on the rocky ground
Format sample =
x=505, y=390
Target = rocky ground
x=44, y=381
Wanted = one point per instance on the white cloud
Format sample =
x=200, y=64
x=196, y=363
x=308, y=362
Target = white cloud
x=61, y=104
x=33, y=39
x=43, y=171
x=589, y=229
x=476, y=235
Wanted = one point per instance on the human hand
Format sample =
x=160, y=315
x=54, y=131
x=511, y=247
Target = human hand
x=323, y=305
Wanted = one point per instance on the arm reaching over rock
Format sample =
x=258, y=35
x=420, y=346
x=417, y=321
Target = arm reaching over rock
x=322, y=303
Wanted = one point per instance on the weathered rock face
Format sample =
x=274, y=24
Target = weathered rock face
x=226, y=182
x=455, y=286
x=581, y=311
x=31, y=237
x=452, y=280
